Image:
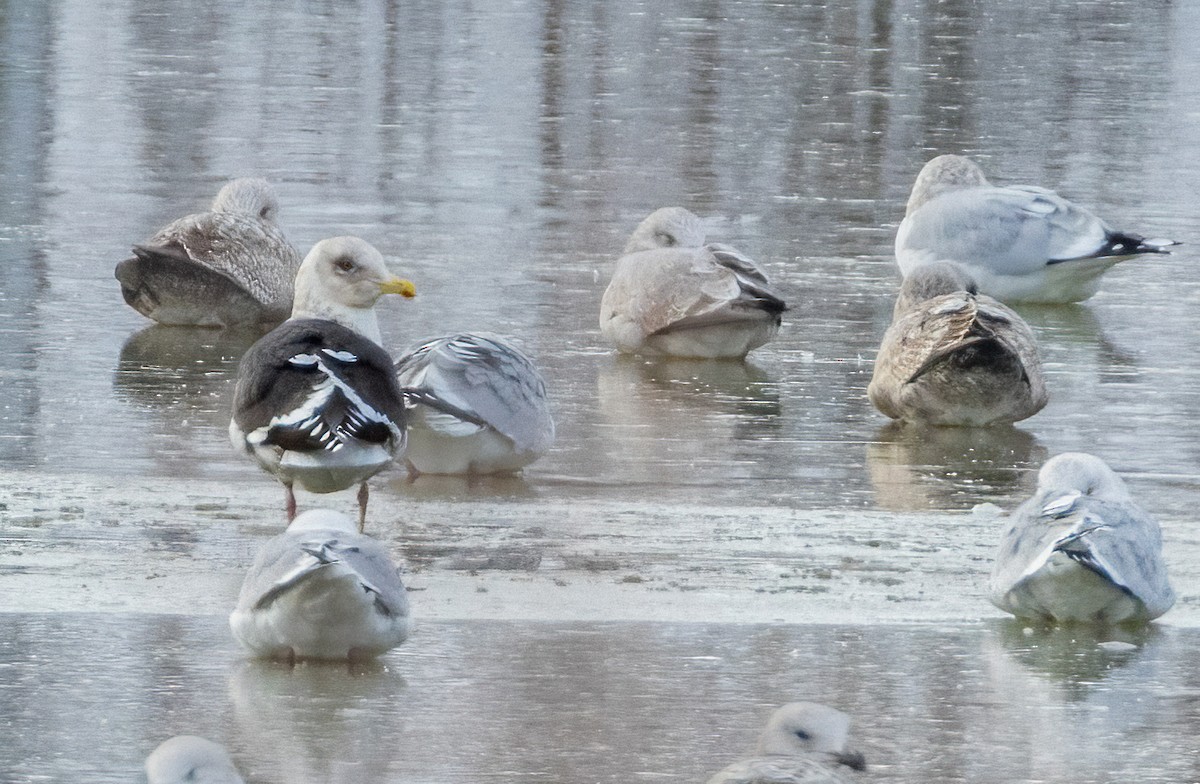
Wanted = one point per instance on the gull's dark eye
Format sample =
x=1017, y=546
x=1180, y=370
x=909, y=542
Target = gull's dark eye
x=665, y=239
x=344, y=264
x=802, y=735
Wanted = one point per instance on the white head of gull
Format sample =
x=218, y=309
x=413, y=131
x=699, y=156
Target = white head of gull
x=317, y=400
x=1020, y=243
x=321, y=590
x=802, y=742
x=477, y=405
x=229, y=266
x=673, y=295
x=1081, y=550
x=952, y=356
x=189, y=759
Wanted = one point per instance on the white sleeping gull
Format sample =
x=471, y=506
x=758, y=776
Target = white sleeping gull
x=477, y=405
x=226, y=267
x=316, y=401
x=1020, y=243
x=1080, y=550
x=672, y=294
x=189, y=759
x=955, y=357
x=321, y=590
x=803, y=743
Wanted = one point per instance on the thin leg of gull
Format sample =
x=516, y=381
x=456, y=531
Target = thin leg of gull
x=291, y=503
x=362, y=506
x=413, y=473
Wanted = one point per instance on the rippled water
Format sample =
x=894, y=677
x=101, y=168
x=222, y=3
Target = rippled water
x=499, y=155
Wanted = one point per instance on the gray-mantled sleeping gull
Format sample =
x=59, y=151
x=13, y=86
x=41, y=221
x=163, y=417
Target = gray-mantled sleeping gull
x=803, y=743
x=672, y=294
x=477, y=405
x=189, y=759
x=226, y=267
x=317, y=400
x=1020, y=243
x=1081, y=550
x=955, y=357
x=321, y=590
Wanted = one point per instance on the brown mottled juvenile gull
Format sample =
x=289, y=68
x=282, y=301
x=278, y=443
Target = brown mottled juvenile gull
x=321, y=590
x=477, y=405
x=190, y=759
x=1020, y=243
x=955, y=357
x=226, y=267
x=1081, y=550
x=316, y=400
x=672, y=294
x=803, y=743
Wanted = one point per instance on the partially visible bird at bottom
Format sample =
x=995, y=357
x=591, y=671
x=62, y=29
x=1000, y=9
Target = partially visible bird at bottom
x=190, y=759
x=321, y=590
x=476, y=405
x=802, y=743
x=955, y=357
x=1081, y=550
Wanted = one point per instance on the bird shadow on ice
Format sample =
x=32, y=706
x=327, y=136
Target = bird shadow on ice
x=917, y=468
x=164, y=368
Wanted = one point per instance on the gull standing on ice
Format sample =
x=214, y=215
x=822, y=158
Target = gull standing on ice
x=321, y=590
x=1080, y=550
x=803, y=743
x=955, y=357
x=189, y=759
x=227, y=267
x=1020, y=243
x=477, y=405
x=672, y=294
x=317, y=400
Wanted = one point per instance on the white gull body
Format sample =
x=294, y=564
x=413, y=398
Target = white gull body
x=1019, y=243
x=321, y=590
x=190, y=759
x=802, y=743
x=477, y=405
x=1080, y=550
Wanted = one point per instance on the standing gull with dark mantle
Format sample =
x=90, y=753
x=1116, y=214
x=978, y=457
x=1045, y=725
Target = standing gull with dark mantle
x=671, y=294
x=953, y=356
x=477, y=405
x=1081, y=551
x=317, y=400
x=1020, y=243
x=803, y=743
x=227, y=267
x=321, y=590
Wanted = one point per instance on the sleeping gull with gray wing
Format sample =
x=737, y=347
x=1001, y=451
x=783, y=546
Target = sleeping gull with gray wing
x=803, y=743
x=321, y=590
x=953, y=356
x=477, y=405
x=316, y=401
x=190, y=759
x=229, y=266
x=1020, y=243
x=1080, y=550
x=672, y=294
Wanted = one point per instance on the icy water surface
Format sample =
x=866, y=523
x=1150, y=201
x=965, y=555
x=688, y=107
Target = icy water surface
x=499, y=154
x=520, y=702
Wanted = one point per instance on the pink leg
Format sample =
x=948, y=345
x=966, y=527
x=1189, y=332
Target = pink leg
x=362, y=506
